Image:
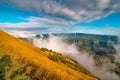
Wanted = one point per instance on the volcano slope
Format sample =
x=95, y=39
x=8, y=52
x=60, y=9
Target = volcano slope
x=20, y=60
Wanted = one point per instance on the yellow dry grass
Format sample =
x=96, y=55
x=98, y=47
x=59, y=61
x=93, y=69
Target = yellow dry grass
x=19, y=49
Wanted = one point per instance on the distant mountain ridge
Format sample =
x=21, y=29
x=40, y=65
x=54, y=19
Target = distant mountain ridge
x=108, y=37
x=98, y=44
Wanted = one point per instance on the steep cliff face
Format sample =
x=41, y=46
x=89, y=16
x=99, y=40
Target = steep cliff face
x=21, y=60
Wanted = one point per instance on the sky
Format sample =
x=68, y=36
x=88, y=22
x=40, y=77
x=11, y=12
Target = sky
x=60, y=16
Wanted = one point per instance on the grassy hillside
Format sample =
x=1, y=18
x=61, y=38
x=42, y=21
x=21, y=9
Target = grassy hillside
x=22, y=61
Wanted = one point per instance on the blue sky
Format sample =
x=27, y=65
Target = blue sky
x=60, y=16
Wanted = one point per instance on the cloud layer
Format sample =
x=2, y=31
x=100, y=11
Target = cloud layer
x=37, y=24
x=58, y=15
x=79, y=10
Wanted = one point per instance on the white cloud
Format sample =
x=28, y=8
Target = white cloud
x=20, y=25
x=34, y=22
x=55, y=25
x=61, y=15
x=51, y=21
x=102, y=4
x=39, y=25
x=80, y=10
x=22, y=34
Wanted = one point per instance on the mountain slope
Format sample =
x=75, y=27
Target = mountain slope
x=19, y=59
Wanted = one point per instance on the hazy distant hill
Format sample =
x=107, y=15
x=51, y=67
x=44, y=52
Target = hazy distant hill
x=22, y=61
x=101, y=45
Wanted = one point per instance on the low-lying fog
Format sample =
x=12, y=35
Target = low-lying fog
x=57, y=44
